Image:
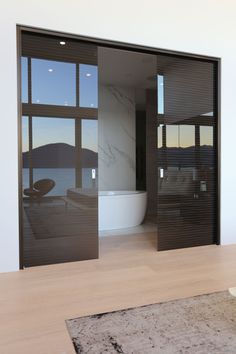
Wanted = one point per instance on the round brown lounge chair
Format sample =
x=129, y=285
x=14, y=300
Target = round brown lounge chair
x=40, y=188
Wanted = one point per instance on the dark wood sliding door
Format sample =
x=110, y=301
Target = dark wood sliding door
x=186, y=152
x=177, y=100
x=59, y=150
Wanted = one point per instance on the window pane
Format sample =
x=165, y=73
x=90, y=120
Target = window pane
x=25, y=149
x=25, y=133
x=89, y=140
x=160, y=94
x=159, y=136
x=53, y=131
x=206, y=135
x=187, y=135
x=172, y=136
x=88, y=86
x=24, y=79
x=89, y=134
x=53, y=152
x=53, y=82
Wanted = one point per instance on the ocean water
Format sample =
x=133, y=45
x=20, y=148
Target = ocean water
x=63, y=177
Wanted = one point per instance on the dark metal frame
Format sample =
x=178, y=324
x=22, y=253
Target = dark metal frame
x=129, y=47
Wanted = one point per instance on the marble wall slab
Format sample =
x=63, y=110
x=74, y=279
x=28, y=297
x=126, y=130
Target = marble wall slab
x=116, y=138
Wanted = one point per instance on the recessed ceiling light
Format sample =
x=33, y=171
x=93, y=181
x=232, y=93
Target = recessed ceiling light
x=37, y=101
x=50, y=70
x=62, y=43
x=91, y=105
x=66, y=103
x=88, y=74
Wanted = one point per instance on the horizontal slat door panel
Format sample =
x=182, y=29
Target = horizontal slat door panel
x=59, y=189
x=186, y=154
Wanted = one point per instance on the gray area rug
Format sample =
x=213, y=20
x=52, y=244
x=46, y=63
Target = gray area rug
x=200, y=325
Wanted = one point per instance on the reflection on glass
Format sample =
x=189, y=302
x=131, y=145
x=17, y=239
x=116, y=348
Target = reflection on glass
x=160, y=94
x=53, y=82
x=88, y=86
x=172, y=136
x=25, y=134
x=206, y=135
x=59, y=210
x=53, y=141
x=89, y=139
x=187, y=136
x=208, y=114
x=159, y=136
x=24, y=79
x=53, y=131
x=89, y=134
x=180, y=136
x=25, y=149
x=187, y=189
x=54, y=152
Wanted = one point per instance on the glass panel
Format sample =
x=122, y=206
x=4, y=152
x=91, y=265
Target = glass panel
x=53, y=82
x=206, y=135
x=187, y=136
x=53, y=131
x=208, y=114
x=25, y=149
x=160, y=94
x=89, y=134
x=24, y=79
x=53, y=152
x=207, y=158
x=88, y=86
x=159, y=136
x=187, y=163
x=89, y=138
x=60, y=211
x=180, y=135
x=60, y=158
x=25, y=133
x=172, y=136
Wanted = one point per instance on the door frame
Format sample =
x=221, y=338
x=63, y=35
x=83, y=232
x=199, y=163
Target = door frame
x=130, y=47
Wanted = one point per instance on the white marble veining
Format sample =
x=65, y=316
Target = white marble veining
x=116, y=138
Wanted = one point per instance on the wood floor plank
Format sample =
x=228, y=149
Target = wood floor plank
x=35, y=303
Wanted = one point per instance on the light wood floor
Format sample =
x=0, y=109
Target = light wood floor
x=34, y=303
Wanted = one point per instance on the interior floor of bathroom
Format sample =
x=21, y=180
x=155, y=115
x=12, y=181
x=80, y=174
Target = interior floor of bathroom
x=129, y=241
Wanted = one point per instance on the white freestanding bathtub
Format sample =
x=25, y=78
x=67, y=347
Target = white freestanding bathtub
x=121, y=209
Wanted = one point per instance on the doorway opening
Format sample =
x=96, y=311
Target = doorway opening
x=126, y=135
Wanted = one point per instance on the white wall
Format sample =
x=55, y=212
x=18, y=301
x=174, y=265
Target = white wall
x=203, y=27
x=116, y=139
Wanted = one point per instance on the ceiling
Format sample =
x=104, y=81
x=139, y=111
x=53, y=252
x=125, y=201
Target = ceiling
x=188, y=83
x=128, y=69
x=125, y=68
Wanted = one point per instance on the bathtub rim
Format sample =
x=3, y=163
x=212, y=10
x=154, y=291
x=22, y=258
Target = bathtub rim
x=121, y=193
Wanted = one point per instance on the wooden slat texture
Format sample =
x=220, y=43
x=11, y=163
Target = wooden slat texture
x=55, y=228
x=186, y=206
x=48, y=47
x=43, y=110
x=151, y=153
